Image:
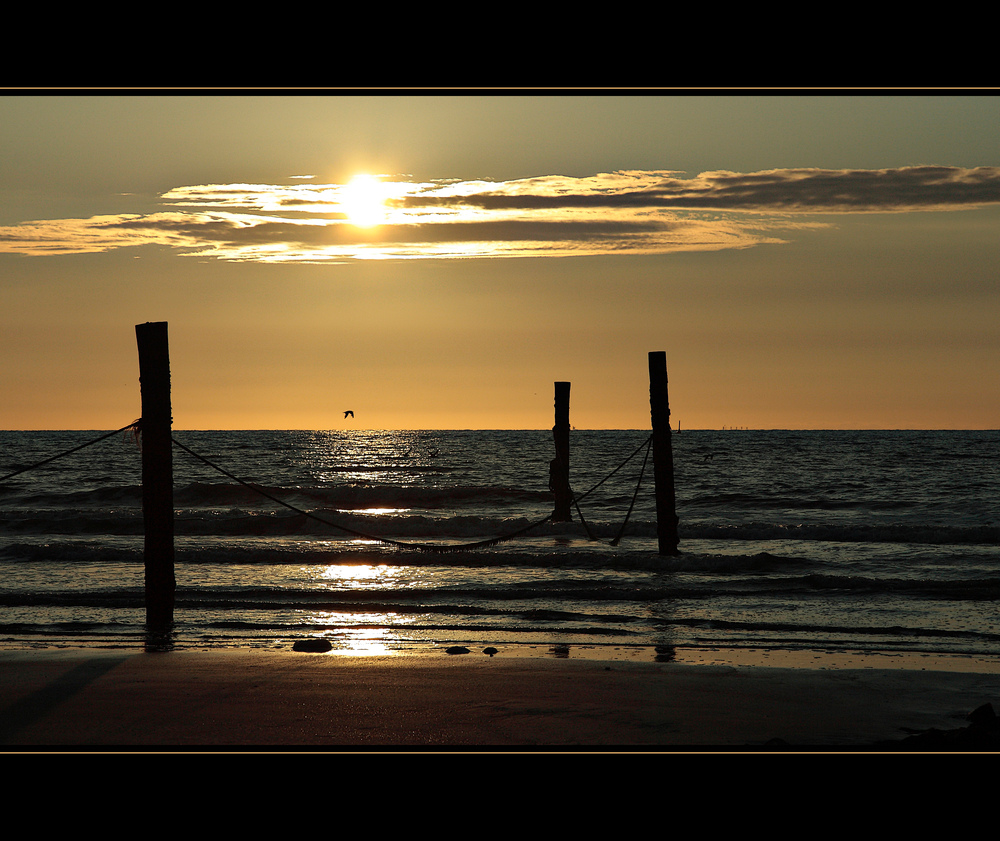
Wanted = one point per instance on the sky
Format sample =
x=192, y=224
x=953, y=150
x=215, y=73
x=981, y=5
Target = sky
x=438, y=259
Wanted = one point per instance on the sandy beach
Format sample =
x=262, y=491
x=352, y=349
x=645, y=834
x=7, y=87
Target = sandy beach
x=79, y=700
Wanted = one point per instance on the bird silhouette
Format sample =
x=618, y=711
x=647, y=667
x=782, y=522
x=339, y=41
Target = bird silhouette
x=348, y=414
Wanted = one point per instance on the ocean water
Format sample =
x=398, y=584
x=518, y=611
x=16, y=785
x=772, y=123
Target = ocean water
x=843, y=541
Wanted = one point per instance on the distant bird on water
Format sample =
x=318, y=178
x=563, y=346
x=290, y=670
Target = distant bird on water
x=348, y=414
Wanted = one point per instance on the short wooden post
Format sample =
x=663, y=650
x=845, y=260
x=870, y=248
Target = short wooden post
x=559, y=466
x=663, y=456
x=157, y=473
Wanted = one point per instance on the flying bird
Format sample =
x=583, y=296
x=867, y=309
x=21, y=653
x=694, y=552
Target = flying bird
x=348, y=414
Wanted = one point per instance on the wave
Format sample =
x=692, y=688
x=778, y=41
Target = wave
x=689, y=575
x=388, y=521
x=468, y=600
x=847, y=533
x=363, y=494
x=744, y=502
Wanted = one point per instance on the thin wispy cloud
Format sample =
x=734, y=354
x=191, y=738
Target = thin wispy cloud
x=626, y=212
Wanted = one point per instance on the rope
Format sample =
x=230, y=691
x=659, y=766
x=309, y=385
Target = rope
x=131, y=426
x=579, y=513
x=647, y=444
x=621, y=531
x=429, y=547
x=424, y=547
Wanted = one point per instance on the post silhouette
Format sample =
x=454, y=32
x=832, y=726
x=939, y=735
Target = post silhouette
x=157, y=473
x=663, y=456
x=559, y=466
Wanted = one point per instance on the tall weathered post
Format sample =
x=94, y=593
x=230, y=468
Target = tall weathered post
x=663, y=455
x=559, y=466
x=157, y=473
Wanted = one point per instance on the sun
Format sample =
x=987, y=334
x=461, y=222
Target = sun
x=363, y=200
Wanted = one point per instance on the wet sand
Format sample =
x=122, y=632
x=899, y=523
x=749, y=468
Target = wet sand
x=78, y=700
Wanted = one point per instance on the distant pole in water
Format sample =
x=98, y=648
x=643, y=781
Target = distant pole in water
x=663, y=456
x=157, y=473
x=559, y=466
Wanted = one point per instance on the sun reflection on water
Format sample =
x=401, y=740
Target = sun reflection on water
x=365, y=648
x=365, y=457
x=368, y=641
x=376, y=511
x=376, y=576
x=360, y=634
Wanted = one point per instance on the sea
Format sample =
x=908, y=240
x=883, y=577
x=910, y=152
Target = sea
x=385, y=542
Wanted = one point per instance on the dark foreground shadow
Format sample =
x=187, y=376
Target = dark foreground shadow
x=39, y=703
x=981, y=735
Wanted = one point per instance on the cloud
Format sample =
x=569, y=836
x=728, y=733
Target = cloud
x=625, y=212
x=787, y=190
x=840, y=191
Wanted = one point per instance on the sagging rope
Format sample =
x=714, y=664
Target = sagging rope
x=635, y=495
x=424, y=547
x=648, y=443
x=134, y=427
x=403, y=544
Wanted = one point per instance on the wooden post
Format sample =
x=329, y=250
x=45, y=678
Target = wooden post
x=157, y=473
x=663, y=456
x=559, y=466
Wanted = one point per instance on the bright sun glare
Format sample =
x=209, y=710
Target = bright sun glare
x=363, y=200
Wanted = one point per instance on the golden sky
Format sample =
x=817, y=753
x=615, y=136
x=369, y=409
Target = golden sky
x=439, y=260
